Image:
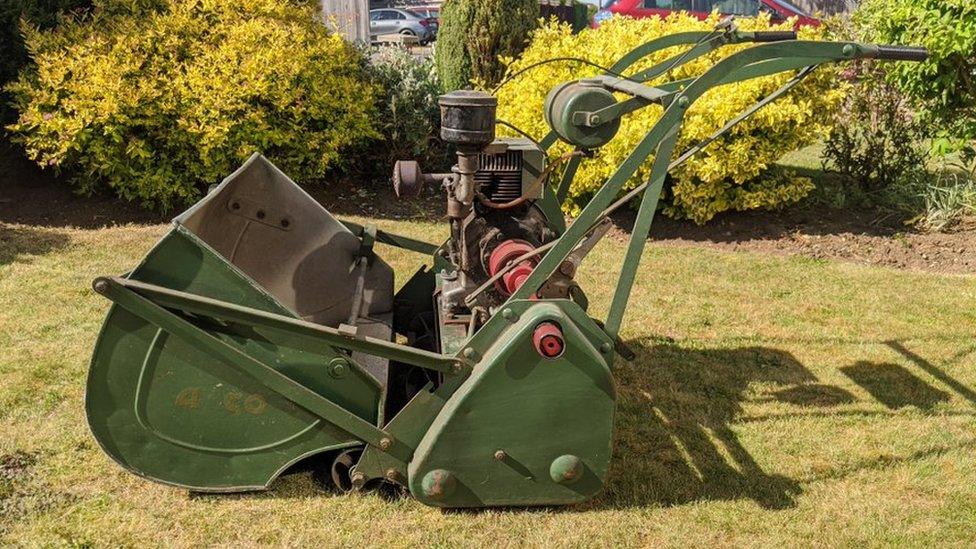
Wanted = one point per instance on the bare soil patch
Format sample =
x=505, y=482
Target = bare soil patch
x=31, y=196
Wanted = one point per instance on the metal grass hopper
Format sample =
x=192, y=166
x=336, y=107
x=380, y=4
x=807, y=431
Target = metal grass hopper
x=261, y=331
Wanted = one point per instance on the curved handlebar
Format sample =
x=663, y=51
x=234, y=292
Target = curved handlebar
x=902, y=53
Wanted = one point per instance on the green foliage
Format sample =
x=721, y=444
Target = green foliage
x=944, y=87
x=734, y=173
x=39, y=13
x=408, y=115
x=877, y=142
x=476, y=35
x=158, y=101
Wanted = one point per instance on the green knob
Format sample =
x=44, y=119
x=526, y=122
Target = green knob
x=566, y=469
x=438, y=484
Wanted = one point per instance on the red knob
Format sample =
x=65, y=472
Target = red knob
x=548, y=340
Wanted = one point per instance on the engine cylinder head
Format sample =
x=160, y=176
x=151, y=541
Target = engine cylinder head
x=468, y=119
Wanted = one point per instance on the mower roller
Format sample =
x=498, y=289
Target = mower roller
x=261, y=331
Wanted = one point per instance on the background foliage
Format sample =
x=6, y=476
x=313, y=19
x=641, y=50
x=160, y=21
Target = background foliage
x=475, y=33
x=733, y=173
x=159, y=98
x=39, y=13
x=408, y=117
x=944, y=87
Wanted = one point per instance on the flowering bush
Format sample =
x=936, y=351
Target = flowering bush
x=157, y=99
x=733, y=173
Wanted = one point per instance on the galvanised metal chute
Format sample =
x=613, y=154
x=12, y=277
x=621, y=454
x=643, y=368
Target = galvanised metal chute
x=261, y=331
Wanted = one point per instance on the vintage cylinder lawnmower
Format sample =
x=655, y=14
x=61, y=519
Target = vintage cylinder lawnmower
x=261, y=331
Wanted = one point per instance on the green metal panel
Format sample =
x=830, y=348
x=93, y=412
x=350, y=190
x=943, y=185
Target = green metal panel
x=168, y=410
x=519, y=419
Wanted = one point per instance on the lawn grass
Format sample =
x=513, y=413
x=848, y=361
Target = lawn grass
x=774, y=401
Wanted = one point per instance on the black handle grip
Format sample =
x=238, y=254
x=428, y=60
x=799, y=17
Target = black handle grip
x=902, y=53
x=773, y=36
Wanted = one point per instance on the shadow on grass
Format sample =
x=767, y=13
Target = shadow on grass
x=674, y=443
x=20, y=241
x=894, y=386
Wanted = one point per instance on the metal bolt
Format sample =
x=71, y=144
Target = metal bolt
x=358, y=479
x=385, y=443
x=595, y=119
x=500, y=455
x=508, y=314
x=683, y=101
x=848, y=50
x=338, y=368
x=100, y=285
x=605, y=347
x=392, y=474
x=468, y=352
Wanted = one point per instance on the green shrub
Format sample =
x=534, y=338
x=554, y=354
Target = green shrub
x=944, y=87
x=877, y=141
x=734, y=173
x=477, y=35
x=408, y=116
x=158, y=101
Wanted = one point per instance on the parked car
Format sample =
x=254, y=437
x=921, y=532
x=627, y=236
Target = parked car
x=430, y=12
x=778, y=10
x=401, y=21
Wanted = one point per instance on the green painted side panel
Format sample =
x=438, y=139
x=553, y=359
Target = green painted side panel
x=169, y=412
x=533, y=409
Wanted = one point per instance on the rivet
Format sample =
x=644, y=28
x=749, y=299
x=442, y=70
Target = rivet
x=605, y=347
x=468, y=352
x=500, y=455
x=385, y=443
x=683, y=101
x=848, y=50
x=508, y=314
x=392, y=474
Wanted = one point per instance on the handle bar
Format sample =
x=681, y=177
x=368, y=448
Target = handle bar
x=773, y=36
x=902, y=53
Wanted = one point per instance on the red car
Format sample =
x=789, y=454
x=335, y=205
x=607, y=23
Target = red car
x=778, y=10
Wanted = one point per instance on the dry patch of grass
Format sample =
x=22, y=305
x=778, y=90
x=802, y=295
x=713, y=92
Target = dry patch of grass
x=774, y=401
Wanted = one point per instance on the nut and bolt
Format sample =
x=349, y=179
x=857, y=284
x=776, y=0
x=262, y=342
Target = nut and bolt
x=385, y=443
x=392, y=474
x=468, y=352
x=500, y=455
x=358, y=479
x=338, y=368
x=683, y=101
x=100, y=285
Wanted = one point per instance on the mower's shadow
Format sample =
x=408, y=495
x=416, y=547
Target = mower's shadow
x=673, y=441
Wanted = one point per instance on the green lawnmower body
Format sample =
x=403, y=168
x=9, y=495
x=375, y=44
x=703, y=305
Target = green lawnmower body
x=261, y=331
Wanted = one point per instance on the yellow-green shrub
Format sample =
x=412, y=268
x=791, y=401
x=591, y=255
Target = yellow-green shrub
x=160, y=98
x=732, y=173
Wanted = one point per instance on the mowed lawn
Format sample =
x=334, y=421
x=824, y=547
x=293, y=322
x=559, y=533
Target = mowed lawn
x=774, y=401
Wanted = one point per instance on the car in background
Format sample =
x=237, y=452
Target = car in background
x=778, y=10
x=430, y=12
x=401, y=21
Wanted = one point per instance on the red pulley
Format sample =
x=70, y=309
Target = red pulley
x=505, y=253
x=548, y=340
